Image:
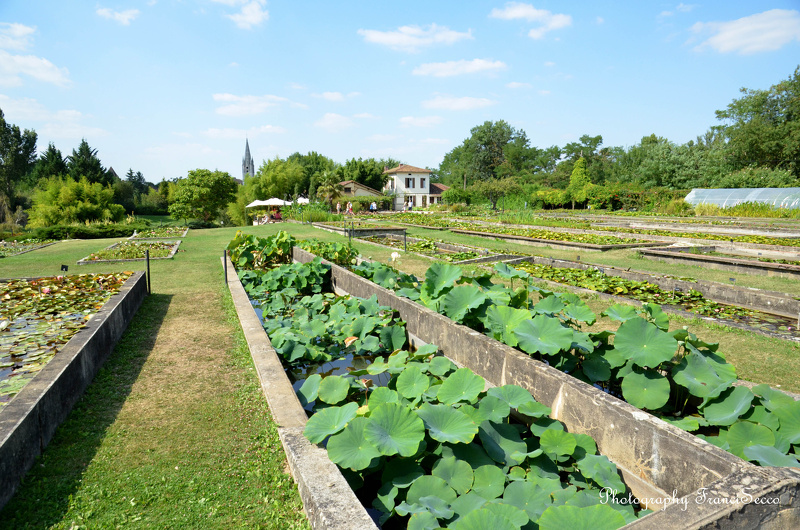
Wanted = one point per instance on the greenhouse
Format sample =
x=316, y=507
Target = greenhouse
x=727, y=197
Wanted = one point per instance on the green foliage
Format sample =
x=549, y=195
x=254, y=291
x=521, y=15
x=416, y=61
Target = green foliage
x=89, y=231
x=17, y=155
x=133, y=250
x=675, y=375
x=578, y=182
x=203, y=194
x=260, y=253
x=60, y=200
x=84, y=163
x=495, y=189
x=456, y=195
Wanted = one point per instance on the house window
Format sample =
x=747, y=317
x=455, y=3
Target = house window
x=347, y=190
x=422, y=183
x=409, y=182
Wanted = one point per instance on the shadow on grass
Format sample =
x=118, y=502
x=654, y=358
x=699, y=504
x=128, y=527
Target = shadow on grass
x=45, y=494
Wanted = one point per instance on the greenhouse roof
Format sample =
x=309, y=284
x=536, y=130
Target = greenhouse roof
x=727, y=197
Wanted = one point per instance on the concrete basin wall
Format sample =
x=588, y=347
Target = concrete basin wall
x=28, y=422
x=569, y=245
x=657, y=460
x=743, y=266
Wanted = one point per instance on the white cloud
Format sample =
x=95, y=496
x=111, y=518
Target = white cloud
x=547, y=21
x=296, y=86
x=383, y=138
x=336, y=96
x=246, y=105
x=451, y=68
x=544, y=92
x=685, y=8
x=517, y=84
x=332, y=122
x=453, y=103
x=229, y=133
x=12, y=66
x=123, y=17
x=18, y=37
x=364, y=116
x=15, y=36
x=59, y=124
x=762, y=32
x=420, y=121
x=549, y=63
x=252, y=14
x=599, y=20
x=414, y=38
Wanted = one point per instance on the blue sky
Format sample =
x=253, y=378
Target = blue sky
x=167, y=86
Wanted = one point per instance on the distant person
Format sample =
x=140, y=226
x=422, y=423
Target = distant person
x=410, y=204
x=349, y=208
x=338, y=208
x=373, y=207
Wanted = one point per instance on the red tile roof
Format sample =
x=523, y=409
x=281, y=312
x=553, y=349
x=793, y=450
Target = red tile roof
x=438, y=189
x=404, y=168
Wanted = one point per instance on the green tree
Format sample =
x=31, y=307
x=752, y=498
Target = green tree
x=83, y=162
x=50, y=164
x=202, y=195
x=495, y=189
x=329, y=189
x=453, y=169
x=138, y=182
x=63, y=200
x=368, y=172
x=578, y=182
x=17, y=156
x=486, y=148
x=314, y=166
x=763, y=127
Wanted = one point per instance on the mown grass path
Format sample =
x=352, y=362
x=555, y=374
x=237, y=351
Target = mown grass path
x=174, y=432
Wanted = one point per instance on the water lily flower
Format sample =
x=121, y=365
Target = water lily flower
x=395, y=256
x=45, y=290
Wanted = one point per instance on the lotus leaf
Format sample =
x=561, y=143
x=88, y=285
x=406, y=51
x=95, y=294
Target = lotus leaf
x=601, y=470
x=491, y=408
x=596, y=368
x=543, y=334
x=393, y=337
x=517, y=516
x=471, y=453
x=333, y=389
x=482, y=518
x=646, y=389
x=534, y=409
x=772, y=398
x=597, y=517
x=489, y=482
x=350, y=448
x=789, y=416
x=412, y=383
x=728, y=406
x=456, y=473
x=767, y=455
x=581, y=313
x=447, y=424
x=644, y=344
x=460, y=300
x=467, y=503
x=503, y=320
x=502, y=443
x=440, y=366
x=423, y=521
x=401, y=472
x=528, y=497
x=549, y=306
x=461, y=385
x=430, y=486
x=744, y=434
x=329, y=421
x=308, y=391
x=621, y=312
x=557, y=443
x=439, y=277
x=704, y=375
x=514, y=395
x=688, y=423
x=394, y=429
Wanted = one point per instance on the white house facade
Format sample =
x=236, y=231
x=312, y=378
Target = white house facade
x=412, y=186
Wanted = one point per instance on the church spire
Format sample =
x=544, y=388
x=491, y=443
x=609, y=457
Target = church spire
x=247, y=162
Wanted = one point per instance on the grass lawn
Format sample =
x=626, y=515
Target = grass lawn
x=175, y=433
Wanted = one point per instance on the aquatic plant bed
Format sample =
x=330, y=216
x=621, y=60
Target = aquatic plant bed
x=29, y=420
x=162, y=232
x=359, y=229
x=767, y=312
x=658, y=461
x=441, y=457
x=552, y=239
x=713, y=257
x=37, y=317
x=439, y=250
x=133, y=251
x=13, y=248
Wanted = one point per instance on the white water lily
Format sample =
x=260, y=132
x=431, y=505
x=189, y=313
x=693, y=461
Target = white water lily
x=395, y=256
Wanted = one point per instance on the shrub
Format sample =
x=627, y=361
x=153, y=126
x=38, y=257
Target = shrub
x=62, y=200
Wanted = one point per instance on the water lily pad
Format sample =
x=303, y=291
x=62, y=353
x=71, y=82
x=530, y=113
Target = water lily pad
x=308, y=391
x=491, y=408
x=394, y=429
x=513, y=395
x=430, y=486
x=557, y=443
x=766, y=455
x=423, y=521
x=620, y=312
x=503, y=320
x=481, y=519
x=460, y=300
x=393, y=337
x=488, y=482
x=601, y=470
x=703, y=375
x=502, y=442
x=438, y=277
x=527, y=497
